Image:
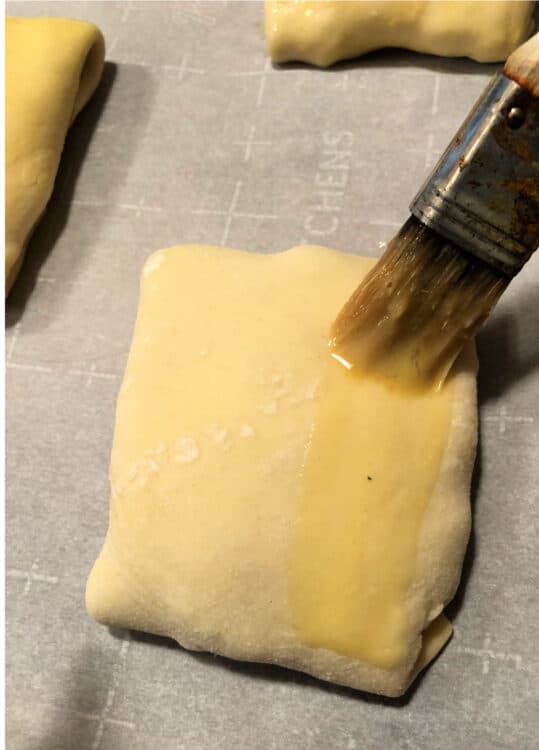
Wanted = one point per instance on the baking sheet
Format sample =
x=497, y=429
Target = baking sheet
x=194, y=137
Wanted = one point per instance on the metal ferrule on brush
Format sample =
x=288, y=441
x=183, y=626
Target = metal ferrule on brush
x=483, y=195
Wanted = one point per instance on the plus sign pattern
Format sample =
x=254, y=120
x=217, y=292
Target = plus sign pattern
x=195, y=137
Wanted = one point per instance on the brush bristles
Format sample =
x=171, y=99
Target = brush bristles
x=522, y=65
x=412, y=314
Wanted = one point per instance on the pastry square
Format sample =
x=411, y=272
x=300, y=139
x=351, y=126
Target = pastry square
x=242, y=521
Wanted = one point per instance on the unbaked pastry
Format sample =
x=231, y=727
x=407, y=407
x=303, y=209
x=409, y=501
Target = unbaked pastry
x=237, y=529
x=326, y=31
x=53, y=66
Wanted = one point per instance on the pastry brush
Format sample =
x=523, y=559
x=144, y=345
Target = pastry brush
x=474, y=224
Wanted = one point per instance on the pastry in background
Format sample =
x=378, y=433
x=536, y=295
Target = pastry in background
x=326, y=31
x=53, y=66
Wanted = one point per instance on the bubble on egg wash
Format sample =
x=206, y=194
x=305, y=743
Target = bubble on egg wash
x=269, y=407
x=186, y=449
x=219, y=434
x=247, y=431
x=152, y=264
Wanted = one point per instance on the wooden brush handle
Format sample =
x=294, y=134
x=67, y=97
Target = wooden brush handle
x=522, y=65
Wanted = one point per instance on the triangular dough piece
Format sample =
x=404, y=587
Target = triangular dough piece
x=224, y=534
x=53, y=66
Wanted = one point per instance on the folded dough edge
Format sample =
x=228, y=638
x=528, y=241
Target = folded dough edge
x=53, y=66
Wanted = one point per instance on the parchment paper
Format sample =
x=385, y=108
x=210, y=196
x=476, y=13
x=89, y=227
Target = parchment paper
x=194, y=137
